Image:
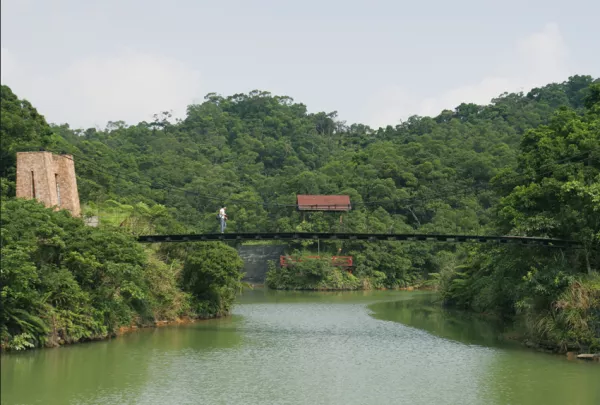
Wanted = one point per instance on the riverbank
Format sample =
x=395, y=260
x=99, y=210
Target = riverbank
x=64, y=282
x=424, y=311
x=124, y=330
x=519, y=333
x=571, y=350
x=558, y=315
x=55, y=341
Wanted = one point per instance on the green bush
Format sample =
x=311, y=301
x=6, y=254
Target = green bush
x=64, y=282
x=212, y=275
x=311, y=274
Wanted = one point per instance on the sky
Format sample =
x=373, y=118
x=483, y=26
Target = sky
x=375, y=62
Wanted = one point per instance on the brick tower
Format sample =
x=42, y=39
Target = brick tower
x=48, y=178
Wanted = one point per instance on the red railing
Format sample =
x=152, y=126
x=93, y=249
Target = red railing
x=339, y=261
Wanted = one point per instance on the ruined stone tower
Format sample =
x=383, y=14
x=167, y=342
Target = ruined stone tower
x=48, y=178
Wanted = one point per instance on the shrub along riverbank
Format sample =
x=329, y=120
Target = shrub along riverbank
x=307, y=272
x=554, y=192
x=312, y=274
x=64, y=282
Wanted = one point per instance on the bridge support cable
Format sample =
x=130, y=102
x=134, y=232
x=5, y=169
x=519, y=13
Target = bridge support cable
x=216, y=237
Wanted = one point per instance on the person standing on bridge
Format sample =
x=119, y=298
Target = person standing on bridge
x=223, y=218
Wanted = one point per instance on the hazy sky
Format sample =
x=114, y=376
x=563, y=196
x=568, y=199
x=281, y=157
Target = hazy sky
x=86, y=62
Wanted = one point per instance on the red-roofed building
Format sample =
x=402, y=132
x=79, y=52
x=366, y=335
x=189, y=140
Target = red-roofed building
x=323, y=203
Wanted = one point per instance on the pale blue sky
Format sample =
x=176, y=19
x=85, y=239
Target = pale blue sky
x=375, y=62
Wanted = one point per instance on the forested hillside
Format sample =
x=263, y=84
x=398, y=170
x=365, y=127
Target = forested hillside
x=255, y=152
x=526, y=164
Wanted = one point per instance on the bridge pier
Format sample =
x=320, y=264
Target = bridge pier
x=255, y=259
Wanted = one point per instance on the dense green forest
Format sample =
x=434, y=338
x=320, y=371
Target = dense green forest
x=65, y=282
x=526, y=164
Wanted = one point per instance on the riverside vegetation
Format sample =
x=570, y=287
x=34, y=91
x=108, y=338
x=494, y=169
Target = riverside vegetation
x=526, y=164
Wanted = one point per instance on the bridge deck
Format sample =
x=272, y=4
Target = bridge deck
x=208, y=237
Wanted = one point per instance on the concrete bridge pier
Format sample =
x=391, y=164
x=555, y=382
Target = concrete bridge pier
x=255, y=259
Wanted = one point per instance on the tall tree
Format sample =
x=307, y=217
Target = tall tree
x=557, y=183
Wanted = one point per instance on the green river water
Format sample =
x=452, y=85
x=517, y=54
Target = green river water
x=383, y=347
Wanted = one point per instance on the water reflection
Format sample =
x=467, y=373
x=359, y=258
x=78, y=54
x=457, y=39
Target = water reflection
x=517, y=375
x=527, y=377
x=424, y=312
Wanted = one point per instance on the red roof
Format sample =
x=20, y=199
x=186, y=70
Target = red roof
x=323, y=202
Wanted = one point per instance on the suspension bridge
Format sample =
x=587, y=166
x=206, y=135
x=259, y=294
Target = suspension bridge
x=369, y=237
x=305, y=203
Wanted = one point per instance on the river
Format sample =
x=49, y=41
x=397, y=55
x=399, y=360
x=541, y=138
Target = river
x=379, y=347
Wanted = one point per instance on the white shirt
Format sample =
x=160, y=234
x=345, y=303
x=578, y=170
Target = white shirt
x=222, y=212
